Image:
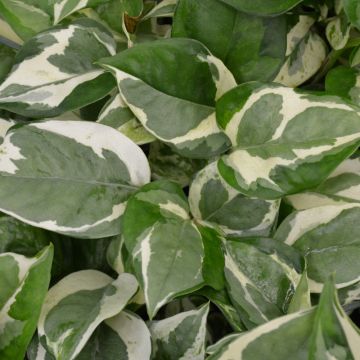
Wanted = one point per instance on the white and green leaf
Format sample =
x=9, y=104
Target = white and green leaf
x=76, y=175
x=342, y=186
x=306, y=52
x=117, y=114
x=54, y=71
x=24, y=283
x=215, y=203
x=181, y=336
x=161, y=106
x=259, y=284
x=328, y=238
x=165, y=8
x=338, y=31
x=270, y=159
x=324, y=332
x=76, y=305
x=166, y=247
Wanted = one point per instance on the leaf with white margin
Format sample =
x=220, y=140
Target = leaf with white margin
x=260, y=284
x=328, y=237
x=75, y=175
x=270, y=159
x=117, y=114
x=251, y=47
x=165, y=8
x=54, y=71
x=24, y=283
x=342, y=186
x=64, y=8
x=165, y=245
x=306, y=52
x=324, y=332
x=76, y=305
x=167, y=164
x=338, y=31
x=181, y=336
x=26, y=18
x=264, y=8
x=350, y=296
x=213, y=201
x=122, y=337
x=162, y=99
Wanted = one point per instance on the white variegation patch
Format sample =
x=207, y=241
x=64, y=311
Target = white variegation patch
x=8, y=153
x=59, y=6
x=165, y=8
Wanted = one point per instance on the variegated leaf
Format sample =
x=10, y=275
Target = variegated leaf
x=260, y=284
x=54, y=71
x=264, y=8
x=23, y=282
x=122, y=337
x=165, y=246
x=305, y=53
x=253, y=48
x=338, y=31
x=328, y=238
x=64, y=8
x=5, y=125
x=165, y=8
x=350, y=296
x=117, y=114
x=167, y=164
x=354, y=59
x=270, y=159
x=216, y=203
x=162, y=99
x=76, y=305
x=181, y=336
x=342, y=186
x=8, y=35
x=75, y=175
x=26, y=18
x=324, y=332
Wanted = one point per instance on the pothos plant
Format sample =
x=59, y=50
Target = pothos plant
x=179, y=179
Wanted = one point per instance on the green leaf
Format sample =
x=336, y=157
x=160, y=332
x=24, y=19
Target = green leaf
x=305, y=54
x=352, y=9
x=6, y=61
x=344, y=81
x=264, y=8
x=324, y=332
x=252, y=48
x=342, y=186
x=167, y=164
x=54, y=71
x=23, y=282
x=328, y=238
x=117, y=114
x=215, y=203
x=76, y=176
x=181, y=336
x=301, y=298
x=162, y=99
x=26, y=18
x=64, y=8
x=76, y=305
x=165, y=246
x=259, y=284
x=270, y=159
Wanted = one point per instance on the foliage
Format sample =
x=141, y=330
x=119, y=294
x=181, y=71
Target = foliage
x=179, y=179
